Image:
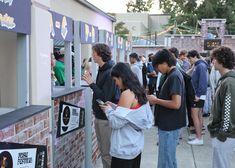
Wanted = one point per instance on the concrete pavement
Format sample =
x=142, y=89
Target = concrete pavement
x=187, y=156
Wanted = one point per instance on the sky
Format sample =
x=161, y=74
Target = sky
x=119, y=6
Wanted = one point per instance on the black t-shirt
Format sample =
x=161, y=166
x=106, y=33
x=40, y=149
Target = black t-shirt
x=170, y=119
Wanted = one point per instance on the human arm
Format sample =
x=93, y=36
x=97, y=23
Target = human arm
x=202, y=81
x=226, y=115
x=174, y=103
x=107, y=91
x=175, y=88
x=126, y=101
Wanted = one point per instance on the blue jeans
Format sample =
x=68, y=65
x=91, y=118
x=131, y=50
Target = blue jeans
x=167, y=148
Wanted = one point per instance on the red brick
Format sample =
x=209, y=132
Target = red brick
x=13, y=139
x=37, y=118
x=22, y=136
x=56, y=102
x=34, y=140
x=44, y=116
x=44, y=133
x=46, y=123
x=8, y=132
x=20, y=126
x=28, y=122
x=1, y=135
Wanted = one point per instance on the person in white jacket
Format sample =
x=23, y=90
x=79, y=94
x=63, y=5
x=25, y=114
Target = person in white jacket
x=127, y=119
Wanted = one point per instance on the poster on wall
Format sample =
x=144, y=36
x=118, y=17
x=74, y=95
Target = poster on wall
x=71, y=117
x=88, y=33
x=61, y=27
x=15, y=15
x=210, y=44
x=14, y=155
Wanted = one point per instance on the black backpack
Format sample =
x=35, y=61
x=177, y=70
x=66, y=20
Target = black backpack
x=189, y=90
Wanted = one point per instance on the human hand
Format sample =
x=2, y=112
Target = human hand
x=196, y=99
x=152, y=99
x=87, y=77
x=113, y=105
x=105, y=107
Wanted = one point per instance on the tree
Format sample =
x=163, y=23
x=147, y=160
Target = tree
x=139, y=6
x=188, y=12
x=121, y=30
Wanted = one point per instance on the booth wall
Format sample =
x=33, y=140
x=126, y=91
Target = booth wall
x=8, y=66
x=69, y=149
x=196, y=42
x=40, y=56
x=33, y=130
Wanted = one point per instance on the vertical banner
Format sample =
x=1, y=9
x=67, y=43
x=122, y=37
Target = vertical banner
x=15, y=15
x=14, y=155
x=120, y=43
x=109, y=38
x=71, y=117
x=88, y=33
x=61, y=27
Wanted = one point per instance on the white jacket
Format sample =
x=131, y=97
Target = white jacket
x=127, y=138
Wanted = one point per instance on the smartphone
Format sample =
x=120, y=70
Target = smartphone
x=100, y=102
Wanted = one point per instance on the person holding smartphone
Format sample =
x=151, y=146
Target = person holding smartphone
x=104, y=88
x=127, y=119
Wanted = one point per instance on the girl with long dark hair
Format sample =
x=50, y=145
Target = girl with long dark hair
x=127, y=119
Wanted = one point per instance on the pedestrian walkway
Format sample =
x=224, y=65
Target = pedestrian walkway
x=187, y=156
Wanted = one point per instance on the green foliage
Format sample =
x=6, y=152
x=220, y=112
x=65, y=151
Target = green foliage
x=188, y=12
x=139, y=6
x=121, y=30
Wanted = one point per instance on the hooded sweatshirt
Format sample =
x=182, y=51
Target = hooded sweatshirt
x=222, y=123
x=104, y=89
x=200, y=79
x=127, y=138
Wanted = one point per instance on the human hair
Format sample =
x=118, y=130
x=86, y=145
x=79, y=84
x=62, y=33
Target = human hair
x=134, y=55
x=130, y=81
x=150, y=57
x=193, y=54
x=162, y=56
x=103, y=51
x=174, y=51
x=224, y=56
x=183, y=52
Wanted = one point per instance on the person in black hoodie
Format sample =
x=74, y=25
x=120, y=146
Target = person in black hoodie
x=104, y=89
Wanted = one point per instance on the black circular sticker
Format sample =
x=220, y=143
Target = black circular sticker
x=66, y=115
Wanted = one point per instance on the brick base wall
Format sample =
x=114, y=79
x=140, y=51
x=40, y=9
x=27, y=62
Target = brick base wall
x=33, y=130
x=187, y=43
x=69, y=149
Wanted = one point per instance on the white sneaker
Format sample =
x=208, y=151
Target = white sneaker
x=196, y=141
x=191, y=137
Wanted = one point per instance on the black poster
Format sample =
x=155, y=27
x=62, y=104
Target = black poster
x=14, y=155
x=210, y=44
x=71, y=117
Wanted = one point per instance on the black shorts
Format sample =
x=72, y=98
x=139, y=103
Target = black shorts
x=198, y=104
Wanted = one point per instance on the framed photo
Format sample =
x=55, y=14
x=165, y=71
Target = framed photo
x=71, y=117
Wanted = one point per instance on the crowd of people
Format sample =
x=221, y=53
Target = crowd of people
x=123, y=94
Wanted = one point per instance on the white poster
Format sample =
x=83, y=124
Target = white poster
x=69, y=118
x=18, y=158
